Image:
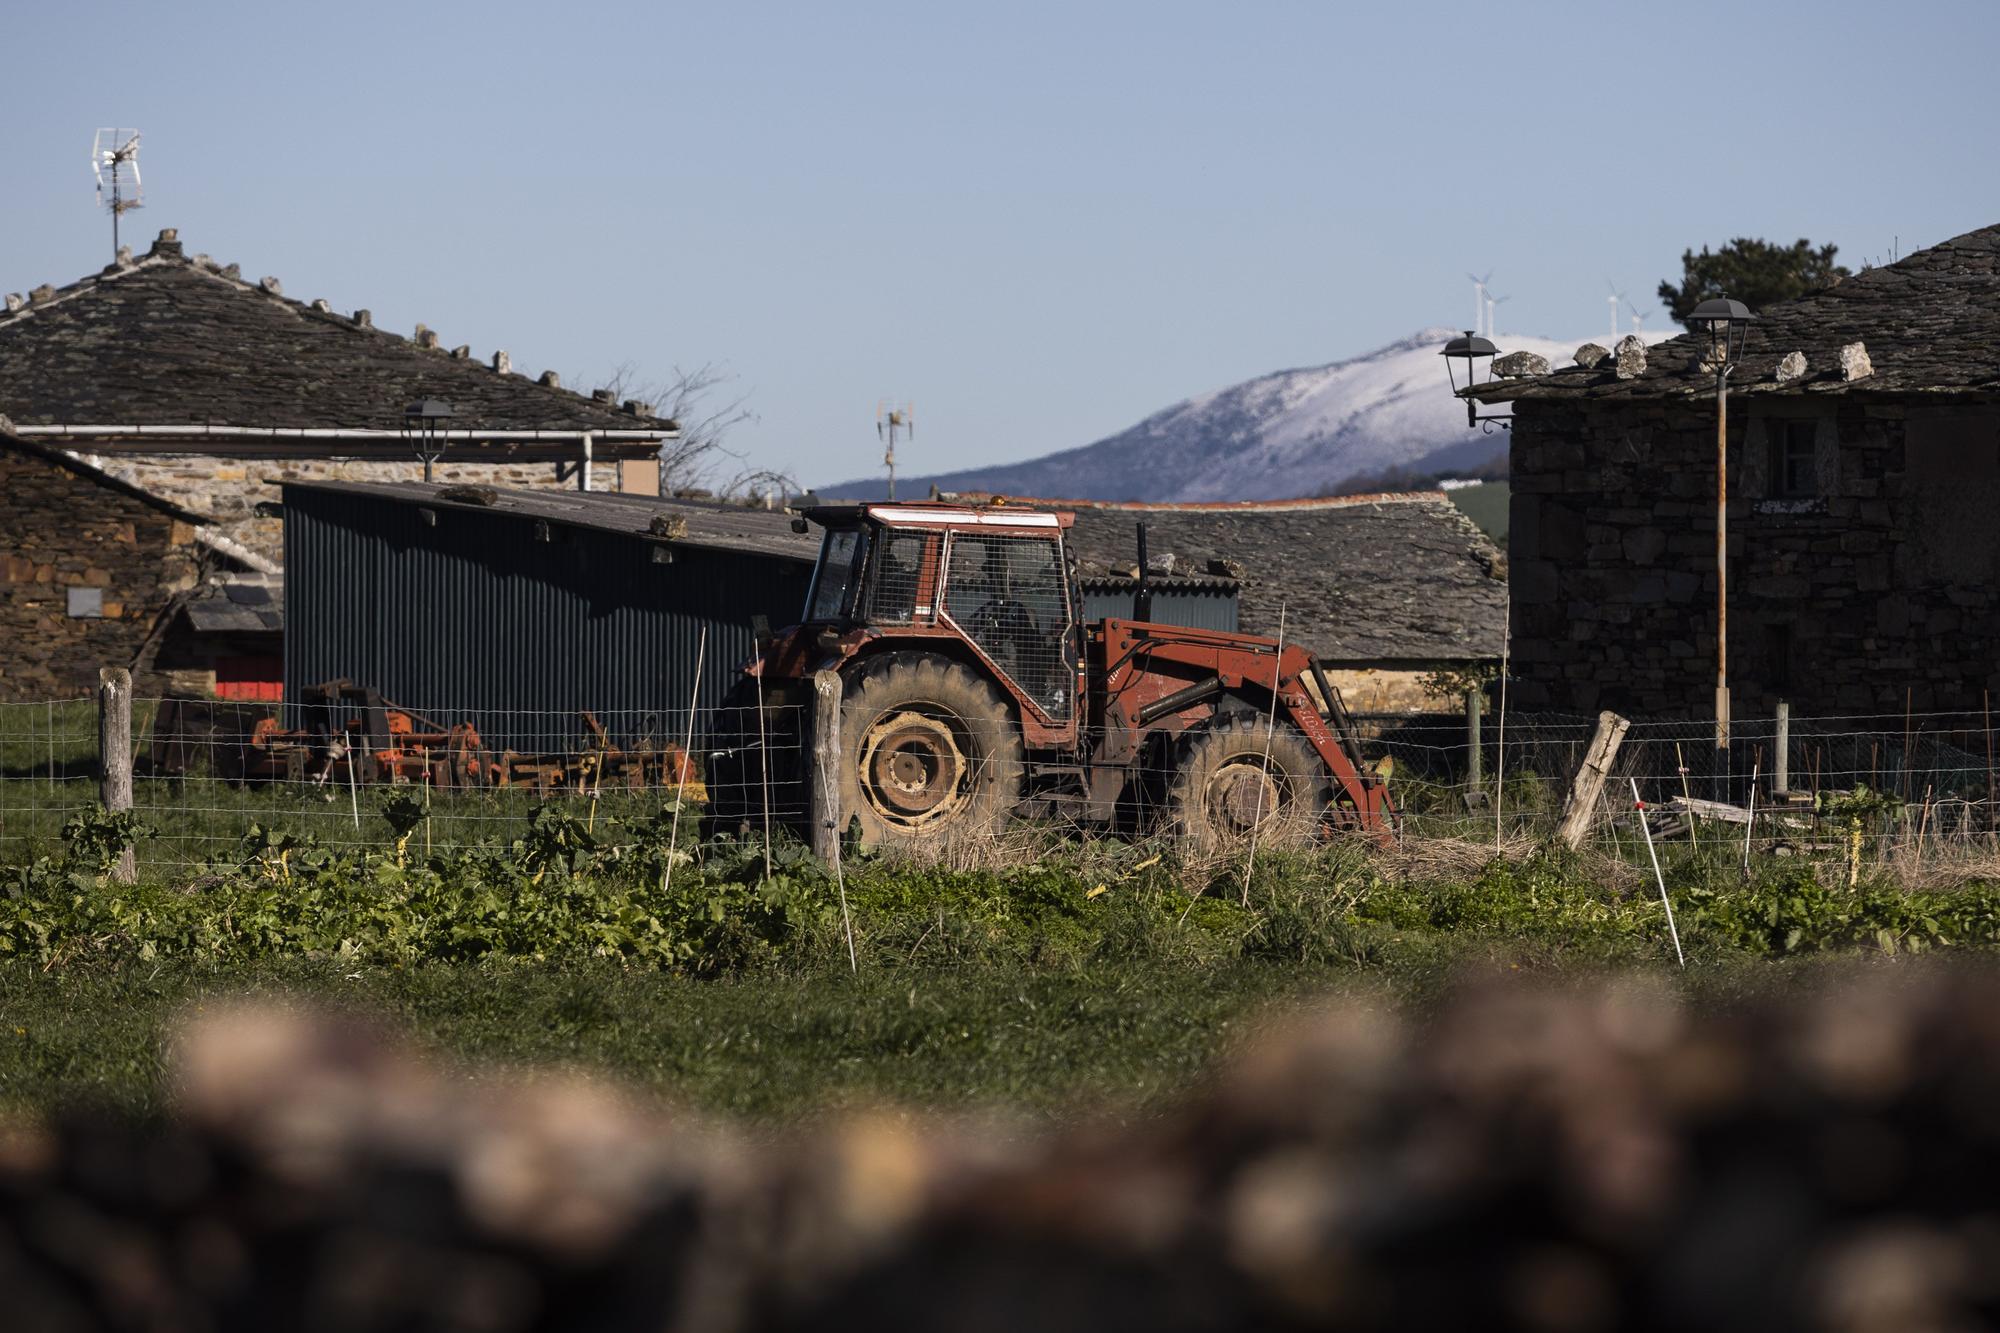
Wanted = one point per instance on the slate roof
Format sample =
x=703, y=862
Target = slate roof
x=1930, y=323
x=241, y=604
x=71, y=463
x=680, y=522
x=1362, y=579
x=169, y=340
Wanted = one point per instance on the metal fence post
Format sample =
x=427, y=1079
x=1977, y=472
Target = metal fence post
x=824, y=788
x=114, y=754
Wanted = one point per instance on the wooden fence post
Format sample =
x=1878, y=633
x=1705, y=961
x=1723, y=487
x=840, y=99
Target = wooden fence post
x=114, y=754
x=1581, y=802
x=824, y=794
x=1476, y=760
x=1782, y=783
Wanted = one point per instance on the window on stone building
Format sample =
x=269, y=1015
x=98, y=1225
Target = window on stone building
x=86, y=603
x=1793, y=464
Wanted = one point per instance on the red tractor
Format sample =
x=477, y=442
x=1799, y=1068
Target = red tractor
x=973, y=690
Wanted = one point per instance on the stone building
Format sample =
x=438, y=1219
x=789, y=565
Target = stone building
x=179, y=375
x=1385, y=589
x=94, y=572
x=1864, y=484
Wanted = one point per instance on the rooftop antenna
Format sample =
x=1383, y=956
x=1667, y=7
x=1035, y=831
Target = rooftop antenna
x=1479, y=299
x=891, y=422
x=1616, y=299
x=114, y=161
x=1491, y=302
x=1638, y=318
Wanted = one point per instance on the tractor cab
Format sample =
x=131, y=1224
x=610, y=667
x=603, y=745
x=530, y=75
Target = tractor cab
x=995, y=579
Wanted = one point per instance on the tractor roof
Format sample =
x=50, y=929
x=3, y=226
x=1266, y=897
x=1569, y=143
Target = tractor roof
x=937, y=514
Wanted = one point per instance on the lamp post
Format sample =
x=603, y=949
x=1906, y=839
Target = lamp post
x=1470, y=349
x=424, y=426
x=1726, y=324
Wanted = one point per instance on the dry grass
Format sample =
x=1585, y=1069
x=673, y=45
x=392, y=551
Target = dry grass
x=1435, y=858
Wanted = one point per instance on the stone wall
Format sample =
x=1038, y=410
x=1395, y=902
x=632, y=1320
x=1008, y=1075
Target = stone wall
x=1874, y=585
x=58, y=531
x=230, y=489
x=1381, y=689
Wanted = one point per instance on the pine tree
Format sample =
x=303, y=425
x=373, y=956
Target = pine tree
x=1753, y=271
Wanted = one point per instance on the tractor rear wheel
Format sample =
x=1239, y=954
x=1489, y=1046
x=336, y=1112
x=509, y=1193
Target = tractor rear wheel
x=1231, y=781
x=928, y=750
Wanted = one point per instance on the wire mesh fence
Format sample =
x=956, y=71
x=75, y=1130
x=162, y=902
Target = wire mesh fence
x=209, y=775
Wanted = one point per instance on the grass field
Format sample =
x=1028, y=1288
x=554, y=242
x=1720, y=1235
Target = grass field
x=1063, y=977
x=1090, y=983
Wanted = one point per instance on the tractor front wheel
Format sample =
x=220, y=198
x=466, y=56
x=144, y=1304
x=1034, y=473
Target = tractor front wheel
x=928, y=751
x=1233, y=779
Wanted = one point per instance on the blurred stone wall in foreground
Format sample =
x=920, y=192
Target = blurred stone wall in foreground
x=1593, y=1158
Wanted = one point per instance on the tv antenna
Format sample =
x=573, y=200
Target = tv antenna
x=890, y=422
x=114, y=161
x=1638, y=317
x=1617, y=298
x=1479, y=299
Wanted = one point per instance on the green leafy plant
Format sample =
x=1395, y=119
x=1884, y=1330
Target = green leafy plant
x=97, y=837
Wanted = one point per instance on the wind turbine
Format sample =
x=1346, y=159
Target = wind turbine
x=1479, y=298
x=1616, y=299
x=1638, y=317
x=1491, y=302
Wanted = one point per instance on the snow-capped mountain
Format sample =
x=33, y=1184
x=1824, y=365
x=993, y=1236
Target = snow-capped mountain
x=1293, y=433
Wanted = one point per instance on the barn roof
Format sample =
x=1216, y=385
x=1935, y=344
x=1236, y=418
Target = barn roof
x=1929, y=323
x=169, y=340
x=652, y=518
x=1366, y=578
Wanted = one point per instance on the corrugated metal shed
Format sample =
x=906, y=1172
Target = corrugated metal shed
x=1194, y=603
x=515, y=609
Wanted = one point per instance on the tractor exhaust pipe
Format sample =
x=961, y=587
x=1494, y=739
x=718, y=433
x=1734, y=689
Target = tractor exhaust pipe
x=1142, y=596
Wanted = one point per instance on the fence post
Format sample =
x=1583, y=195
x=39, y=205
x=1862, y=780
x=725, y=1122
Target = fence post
x=1581, y=803
x=824, y=788
x=114, y=754
x=1476, y=761
x=1782, y=783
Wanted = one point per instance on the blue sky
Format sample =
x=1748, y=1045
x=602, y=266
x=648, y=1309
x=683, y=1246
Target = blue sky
x=1038, y=221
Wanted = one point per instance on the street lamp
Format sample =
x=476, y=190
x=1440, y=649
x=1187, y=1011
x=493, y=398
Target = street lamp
x=1470, y=349
x=1726, y=325
x=424, y=426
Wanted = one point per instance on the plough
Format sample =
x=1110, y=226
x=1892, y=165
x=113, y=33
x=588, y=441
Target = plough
x=353, y=734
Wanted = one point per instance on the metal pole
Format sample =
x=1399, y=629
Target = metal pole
x=1659, y=878
x=1722, y=567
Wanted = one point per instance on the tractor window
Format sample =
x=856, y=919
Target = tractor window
x=1007, y=594
x=895, y=576
x=839, y=554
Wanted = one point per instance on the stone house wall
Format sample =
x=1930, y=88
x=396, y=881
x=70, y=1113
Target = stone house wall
x=229, y=490
x=58, y=531
x=1875, y=585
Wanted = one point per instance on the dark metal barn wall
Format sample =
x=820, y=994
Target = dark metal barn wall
x=1192, y=607
x=477, y=618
